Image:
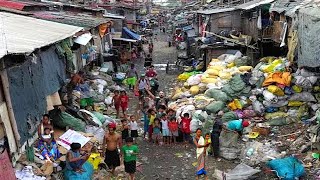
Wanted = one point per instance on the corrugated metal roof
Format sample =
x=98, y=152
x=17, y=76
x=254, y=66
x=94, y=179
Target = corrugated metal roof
x=215, y=11
x=22, y=34
x=289, y=7
x=12, y=5
x=79, y=19
x=253, y=4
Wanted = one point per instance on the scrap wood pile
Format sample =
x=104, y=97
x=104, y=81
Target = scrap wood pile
x=282, y=106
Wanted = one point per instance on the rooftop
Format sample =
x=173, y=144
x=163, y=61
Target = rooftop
x=253, y=4
x=76, y=19
x=22, y=34
x=215, y=11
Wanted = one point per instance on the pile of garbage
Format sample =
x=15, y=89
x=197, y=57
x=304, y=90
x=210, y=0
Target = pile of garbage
x=269, y=95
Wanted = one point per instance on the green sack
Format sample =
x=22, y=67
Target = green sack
x=218, y=95
x=215, y=107
x=100, y=116
x=64, y=120
x=229, y=116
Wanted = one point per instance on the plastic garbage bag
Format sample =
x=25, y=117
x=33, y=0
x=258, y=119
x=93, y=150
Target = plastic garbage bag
x=228, y=116
x=215, y=107
x=207, y=127
x=195, y=124
x=108, y=100
x=288, y=168
x=276, y=90
x=258, y=107
x=89, y=117
x=269, y=116
x=98, y=132
x=100, y=116
x=194, y=90
x=303, y=96
x=218, y=95
x=229, y=153
x=240, y=172
x=279, y=103
x=268, y=96
x=242, y=61
x=64, y=120
x=194, y=80
x=201, y=115
x=228, y=139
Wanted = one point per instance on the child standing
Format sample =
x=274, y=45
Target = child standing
x=116, y=102
x=185, y=121
x=124, y=129
x=207, y=141
x=130, y=153
x=157, y=131
x=152, y=116
x=173, y=128
x=133, y=128
x=124, y=100
x=145, y=121
x=165, y=129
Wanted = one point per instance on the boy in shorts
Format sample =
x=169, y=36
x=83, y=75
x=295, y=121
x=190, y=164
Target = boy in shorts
x=130, y=152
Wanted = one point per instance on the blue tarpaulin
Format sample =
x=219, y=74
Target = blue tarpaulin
x=128, y=34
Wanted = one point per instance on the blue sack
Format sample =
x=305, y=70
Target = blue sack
x=287, y=168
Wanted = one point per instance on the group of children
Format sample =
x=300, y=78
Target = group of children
x=120, y=100
x=162, y=126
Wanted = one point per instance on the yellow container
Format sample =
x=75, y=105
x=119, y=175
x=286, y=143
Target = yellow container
x=95, y=160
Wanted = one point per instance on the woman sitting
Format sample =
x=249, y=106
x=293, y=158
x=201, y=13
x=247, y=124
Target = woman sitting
x=77, y=166
x=45, y=123
x=48, y=146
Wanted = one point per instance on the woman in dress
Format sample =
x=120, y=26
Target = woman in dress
x=202, y=146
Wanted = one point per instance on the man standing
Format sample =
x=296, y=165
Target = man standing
x=161, y=100
x=132, y=76
x=75, y=81
x=111, y=145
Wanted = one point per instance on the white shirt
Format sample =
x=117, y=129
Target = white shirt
x=164, y=124
x=133, y=125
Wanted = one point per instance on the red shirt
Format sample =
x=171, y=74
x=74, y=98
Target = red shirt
x=173, y=126
x=186, y=125
x=151, y=73
x=124, y=99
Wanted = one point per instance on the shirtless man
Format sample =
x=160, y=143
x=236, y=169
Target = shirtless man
x=111, y=144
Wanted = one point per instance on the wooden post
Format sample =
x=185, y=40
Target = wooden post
x=5, y=83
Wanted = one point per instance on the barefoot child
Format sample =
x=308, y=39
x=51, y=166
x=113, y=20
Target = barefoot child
x=173, y=128
x=185, y=121
x=124, y=100
x=165, y=129
x=116, y=102
x=130, y=152
x=157, y=131
x=152, y=116
x=134, y=128
x=124, y=129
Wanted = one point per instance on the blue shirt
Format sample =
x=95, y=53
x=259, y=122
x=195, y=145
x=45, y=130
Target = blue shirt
x=235, y=125
x=156, y=130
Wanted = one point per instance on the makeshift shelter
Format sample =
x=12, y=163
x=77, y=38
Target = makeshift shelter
x=128, y=34
x=31, y=74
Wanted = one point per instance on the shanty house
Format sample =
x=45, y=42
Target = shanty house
x=32, y=71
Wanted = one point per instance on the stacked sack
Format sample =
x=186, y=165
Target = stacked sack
x=268, y=91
